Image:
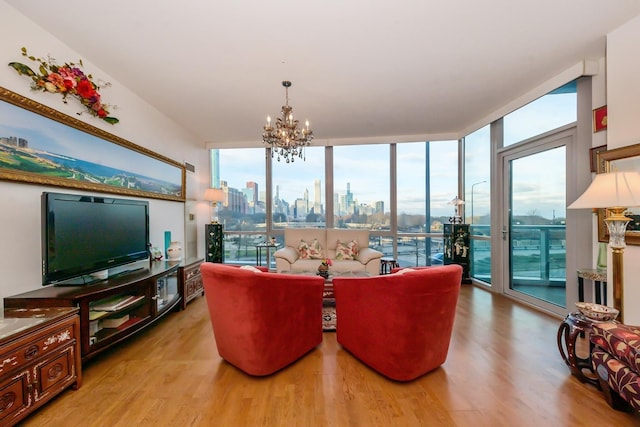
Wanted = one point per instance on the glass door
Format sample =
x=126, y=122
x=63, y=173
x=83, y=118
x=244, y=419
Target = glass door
x=534, y=222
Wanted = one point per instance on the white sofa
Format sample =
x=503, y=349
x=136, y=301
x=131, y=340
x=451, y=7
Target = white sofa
x=288, y=258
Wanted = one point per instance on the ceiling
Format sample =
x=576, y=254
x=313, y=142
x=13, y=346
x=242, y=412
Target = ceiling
x=360, y=69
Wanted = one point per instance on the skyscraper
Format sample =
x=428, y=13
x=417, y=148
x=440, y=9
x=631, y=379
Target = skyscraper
x=317, y=198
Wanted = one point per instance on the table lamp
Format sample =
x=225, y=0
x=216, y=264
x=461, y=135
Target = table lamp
x=214, y=195
x=615, y=192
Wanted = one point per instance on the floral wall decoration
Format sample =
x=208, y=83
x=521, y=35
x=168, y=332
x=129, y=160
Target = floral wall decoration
x=67, y=79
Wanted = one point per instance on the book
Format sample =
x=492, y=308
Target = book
x=93, y=315
x=128, y=323
x=94, y=327
x=114, y=322
x=116, y=303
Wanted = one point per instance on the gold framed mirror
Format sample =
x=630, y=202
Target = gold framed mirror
x=620, y=159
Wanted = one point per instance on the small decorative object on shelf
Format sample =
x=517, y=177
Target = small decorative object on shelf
x=323, y=268
x=597, y=312
x=156, y=254
x=456, y=218
x=174, y=251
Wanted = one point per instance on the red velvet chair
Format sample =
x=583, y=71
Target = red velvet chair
x=398, y=324
x=261, y=321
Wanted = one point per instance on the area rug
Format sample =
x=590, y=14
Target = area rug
x=329, y=318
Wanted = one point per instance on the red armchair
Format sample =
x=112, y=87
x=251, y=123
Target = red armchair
x=261, y=321
x=399, y=324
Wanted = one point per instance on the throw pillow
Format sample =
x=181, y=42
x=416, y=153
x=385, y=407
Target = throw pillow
x=347, y=251
x=315, y=250
x=303, y=250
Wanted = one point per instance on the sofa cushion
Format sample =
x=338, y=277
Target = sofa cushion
x=251, y=268
x=346, y=251
x=367, y=254
x=288, y=253
x=343, y=266
x=310, y=265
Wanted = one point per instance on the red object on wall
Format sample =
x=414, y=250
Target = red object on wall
x=600, y=119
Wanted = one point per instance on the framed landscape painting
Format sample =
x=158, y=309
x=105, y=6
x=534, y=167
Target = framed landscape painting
x=625, y=158
x=40, y=145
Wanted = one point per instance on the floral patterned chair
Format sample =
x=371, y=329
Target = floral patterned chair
x=616, y=360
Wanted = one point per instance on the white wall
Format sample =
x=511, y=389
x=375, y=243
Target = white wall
x=623, y=95
x=140, y=123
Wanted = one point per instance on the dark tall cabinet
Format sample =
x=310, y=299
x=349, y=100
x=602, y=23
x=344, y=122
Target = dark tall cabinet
x=457, y=248
x=214, y=239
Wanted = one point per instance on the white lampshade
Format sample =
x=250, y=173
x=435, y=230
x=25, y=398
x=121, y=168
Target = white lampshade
x=214, y=195
x=609, y=190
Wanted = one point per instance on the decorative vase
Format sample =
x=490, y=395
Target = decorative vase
x=323, y=270
x=174, y=251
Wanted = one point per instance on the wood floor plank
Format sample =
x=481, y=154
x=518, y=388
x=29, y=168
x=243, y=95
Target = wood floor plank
x=503, y=369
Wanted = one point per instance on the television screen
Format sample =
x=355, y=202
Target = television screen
x=84, y=234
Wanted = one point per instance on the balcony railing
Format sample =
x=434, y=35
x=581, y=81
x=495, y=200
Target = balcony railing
x=538, y=251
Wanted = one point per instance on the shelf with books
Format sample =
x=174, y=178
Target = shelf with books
x=127, y=303
x=116, y=303
x=106, y=332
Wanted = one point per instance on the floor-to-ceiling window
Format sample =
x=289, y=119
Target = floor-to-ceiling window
x=298, y=198
x=361, y=186
x=240, y=173
x=426, y=183
x=477, y=190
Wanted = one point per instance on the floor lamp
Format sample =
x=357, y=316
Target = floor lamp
x=214, y=195
x=614, y=192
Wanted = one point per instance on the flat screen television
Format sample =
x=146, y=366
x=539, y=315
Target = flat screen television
x=86, y=234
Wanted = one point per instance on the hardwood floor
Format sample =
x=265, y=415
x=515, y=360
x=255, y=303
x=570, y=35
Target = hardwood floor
x=503, y=369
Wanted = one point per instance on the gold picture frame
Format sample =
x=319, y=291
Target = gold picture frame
x=39, y=145
x=620, y=159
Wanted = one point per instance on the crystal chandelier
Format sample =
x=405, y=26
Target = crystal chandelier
x=286, y=139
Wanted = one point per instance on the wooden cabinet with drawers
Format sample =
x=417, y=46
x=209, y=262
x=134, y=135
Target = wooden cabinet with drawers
x=190, y=280
x=39, y=358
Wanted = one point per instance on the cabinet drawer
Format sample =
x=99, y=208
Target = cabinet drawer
x=38, y=344
x=14, y=398
x=192, y=273
x=194, y=286
x=55, y=371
